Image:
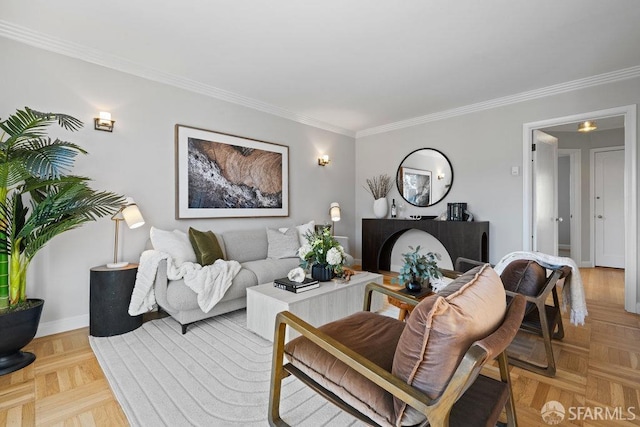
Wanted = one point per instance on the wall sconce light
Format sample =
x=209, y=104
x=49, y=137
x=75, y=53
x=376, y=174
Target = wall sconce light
x=104, y=122
x=334, y=213
x=324, y=160
x=440, y=176
x=587, y=126
x=130, y=213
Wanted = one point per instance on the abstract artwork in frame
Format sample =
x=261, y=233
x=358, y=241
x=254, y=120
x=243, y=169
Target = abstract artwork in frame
x=416, y=186
x=221, y=175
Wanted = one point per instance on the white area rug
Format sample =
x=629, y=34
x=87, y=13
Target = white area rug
x=217, y=374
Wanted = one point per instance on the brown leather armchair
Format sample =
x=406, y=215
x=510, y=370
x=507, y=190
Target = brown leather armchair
x=387, y=372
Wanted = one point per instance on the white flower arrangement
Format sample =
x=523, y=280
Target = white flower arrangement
x=322, y=248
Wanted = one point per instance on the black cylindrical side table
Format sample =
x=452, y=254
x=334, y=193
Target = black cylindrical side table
x=109, y=297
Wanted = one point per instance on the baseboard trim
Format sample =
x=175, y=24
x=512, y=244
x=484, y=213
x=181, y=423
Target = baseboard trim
x=586, y=264
x=62, y=325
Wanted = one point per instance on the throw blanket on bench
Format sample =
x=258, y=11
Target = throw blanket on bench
x=209, y=282
x=572, y=291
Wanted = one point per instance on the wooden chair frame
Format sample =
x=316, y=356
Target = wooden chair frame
x=436, y=410
x=547, y=323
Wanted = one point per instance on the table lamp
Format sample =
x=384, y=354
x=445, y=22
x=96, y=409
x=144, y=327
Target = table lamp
x=334, y=213
x=130, y=213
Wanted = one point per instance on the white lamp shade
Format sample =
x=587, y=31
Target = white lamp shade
x=132, y=216
x=334, y=211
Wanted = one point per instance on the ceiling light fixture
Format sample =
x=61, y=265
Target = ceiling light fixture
x=587, y=126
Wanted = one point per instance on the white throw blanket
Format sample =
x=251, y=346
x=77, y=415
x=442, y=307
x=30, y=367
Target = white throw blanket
x=209, y=282
x=573, y=291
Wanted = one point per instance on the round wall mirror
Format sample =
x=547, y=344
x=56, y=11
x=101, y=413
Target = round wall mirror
x=424, y=177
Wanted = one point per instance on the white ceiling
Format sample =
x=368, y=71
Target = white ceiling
x=352, y=65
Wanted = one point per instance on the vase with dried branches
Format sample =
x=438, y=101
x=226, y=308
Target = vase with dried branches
x=379, y=186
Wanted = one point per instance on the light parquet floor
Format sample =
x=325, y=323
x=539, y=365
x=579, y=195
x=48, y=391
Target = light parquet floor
x=598, y=367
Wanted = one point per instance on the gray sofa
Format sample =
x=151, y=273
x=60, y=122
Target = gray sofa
x=249, y=248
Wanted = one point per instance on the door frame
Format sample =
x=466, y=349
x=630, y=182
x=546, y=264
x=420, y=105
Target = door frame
x=630, y=189
x=575, y=199
x=592, y=190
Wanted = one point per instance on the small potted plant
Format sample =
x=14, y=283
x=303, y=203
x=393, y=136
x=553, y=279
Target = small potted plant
x=417, y=268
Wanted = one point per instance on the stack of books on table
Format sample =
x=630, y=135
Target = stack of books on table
x=288, y=285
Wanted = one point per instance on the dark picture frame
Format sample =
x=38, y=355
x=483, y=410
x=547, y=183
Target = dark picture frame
x=220, y=175
x=416, y=186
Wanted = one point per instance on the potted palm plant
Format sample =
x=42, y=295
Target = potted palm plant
x=417, y=268
x=39, y=200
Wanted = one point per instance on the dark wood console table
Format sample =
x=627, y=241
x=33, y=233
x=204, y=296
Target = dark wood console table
x=460, y=239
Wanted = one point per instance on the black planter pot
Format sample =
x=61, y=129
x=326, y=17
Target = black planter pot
x=18, y=329
x=321, y=272
x=413, y=286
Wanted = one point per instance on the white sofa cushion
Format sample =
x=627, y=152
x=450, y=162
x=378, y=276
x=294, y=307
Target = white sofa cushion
x=175, y=243
x=282, y=244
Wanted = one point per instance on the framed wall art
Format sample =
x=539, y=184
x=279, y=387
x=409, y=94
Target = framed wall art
x=416, y=186
x=222, y=175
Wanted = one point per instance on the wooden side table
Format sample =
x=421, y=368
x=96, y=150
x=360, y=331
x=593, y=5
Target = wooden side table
x=405, y=308
x=109, y=297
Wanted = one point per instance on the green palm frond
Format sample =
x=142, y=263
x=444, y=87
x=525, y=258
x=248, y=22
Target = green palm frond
x=12, y=173
x=65, y=207
x=64, y=120
x=41, y=236
x=27, y=124
x=44, y=158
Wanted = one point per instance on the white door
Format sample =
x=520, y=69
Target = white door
x=609, y=208
x=545, y=193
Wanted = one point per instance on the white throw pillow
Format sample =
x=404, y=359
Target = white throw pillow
x=175, y=243
x=304, y=229
x=282, y=245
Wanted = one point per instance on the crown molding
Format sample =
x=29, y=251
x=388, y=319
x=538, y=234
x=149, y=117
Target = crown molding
x=614, y=76
x=94, y=56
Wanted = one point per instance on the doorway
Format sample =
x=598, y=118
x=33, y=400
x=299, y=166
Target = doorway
x=630, y=189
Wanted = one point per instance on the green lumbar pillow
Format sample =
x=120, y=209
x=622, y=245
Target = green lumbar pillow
x=205, y=245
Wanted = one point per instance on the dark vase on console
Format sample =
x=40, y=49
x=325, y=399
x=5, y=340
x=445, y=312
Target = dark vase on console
x=321, y=272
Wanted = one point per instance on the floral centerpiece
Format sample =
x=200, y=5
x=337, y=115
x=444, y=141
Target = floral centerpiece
x=321, y=252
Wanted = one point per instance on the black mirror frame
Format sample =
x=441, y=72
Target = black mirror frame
x=398, y=177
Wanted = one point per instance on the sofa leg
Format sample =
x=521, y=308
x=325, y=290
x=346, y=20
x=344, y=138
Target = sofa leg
x=184, y=328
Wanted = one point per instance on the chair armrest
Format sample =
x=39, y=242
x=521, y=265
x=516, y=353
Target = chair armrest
x=451, y=274
x=551, y=283
x=371, y=287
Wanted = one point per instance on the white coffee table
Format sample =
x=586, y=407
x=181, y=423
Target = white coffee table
x=331, y=301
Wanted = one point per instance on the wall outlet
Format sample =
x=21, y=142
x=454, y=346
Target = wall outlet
x=515, y=170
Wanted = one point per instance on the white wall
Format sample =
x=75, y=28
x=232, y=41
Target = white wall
x=137, y=160
x=482, y=148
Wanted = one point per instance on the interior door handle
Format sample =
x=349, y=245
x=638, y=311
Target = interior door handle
x=600, y=216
